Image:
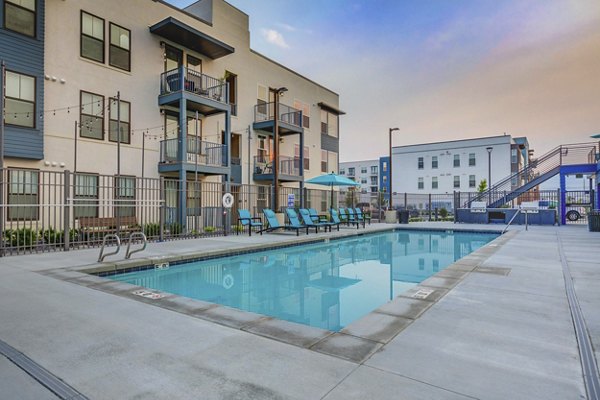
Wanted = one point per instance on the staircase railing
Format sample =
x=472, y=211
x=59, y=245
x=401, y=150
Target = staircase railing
x=549, y=163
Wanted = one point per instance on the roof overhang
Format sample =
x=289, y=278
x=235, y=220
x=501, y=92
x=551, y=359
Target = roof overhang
x=183, y=34
x=330, y=108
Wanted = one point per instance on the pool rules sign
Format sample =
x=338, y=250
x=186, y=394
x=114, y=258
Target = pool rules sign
x=227, y=200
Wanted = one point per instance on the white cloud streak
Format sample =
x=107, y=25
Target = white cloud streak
x=274, y=37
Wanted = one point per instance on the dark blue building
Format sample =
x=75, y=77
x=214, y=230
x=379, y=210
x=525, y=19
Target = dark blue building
x=22, y=50
x=384, y=175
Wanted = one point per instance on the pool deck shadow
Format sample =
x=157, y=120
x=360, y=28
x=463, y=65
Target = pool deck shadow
x=470, y=331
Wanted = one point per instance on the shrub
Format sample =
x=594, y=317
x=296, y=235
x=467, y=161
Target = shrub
x=52, y=236
x=443, y=212
x=175, y=228
x=209, y=229
x=21, y=237
x=152, y=229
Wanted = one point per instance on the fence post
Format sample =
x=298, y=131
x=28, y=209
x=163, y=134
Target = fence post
x=429, y=207
x=456, y=205
x=66, y=210
x=558, y=207
x=2, y=205
x=162, y=209
x=227, y=212
x=405, y=201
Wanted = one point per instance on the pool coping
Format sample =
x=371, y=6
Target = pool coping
x=356, y=342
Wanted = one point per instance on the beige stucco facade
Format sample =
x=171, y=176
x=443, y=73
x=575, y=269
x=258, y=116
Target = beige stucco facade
x=67, y=73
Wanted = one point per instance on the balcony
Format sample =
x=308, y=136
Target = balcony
x=289, y=169
x=208, y=158
x=203, y=93
x=290, y=119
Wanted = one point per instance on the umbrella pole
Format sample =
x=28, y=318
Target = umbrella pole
x=331, y=196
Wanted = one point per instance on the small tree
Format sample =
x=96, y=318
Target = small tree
x=380, y=202
x=443, y=212
x=482, y=186
x=350, y=197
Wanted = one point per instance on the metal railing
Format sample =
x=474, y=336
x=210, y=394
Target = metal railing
x=287, y=114
x=198, y=151
x=194, y=82
x=287, y=165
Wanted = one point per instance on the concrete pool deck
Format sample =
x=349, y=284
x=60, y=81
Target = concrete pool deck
x=503, y=331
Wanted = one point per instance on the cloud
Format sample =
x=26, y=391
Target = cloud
x=287, y=27
x=274, y=37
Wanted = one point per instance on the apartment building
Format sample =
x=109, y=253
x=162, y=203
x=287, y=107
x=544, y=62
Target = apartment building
x=365, y=173
x=141, y=88
x=458, y=165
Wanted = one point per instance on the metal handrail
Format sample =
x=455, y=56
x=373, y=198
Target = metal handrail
x=511, y=220
x=129, y=252
x=102, y=256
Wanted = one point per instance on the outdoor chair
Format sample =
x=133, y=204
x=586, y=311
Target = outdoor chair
x=273, y=224
x=355, y=217
x=316, y=217
x=362, y=215
x=308, y=221
x=295, y=221
x=246, y=220
x=343, y=217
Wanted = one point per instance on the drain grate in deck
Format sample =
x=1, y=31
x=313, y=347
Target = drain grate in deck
x=493, y=270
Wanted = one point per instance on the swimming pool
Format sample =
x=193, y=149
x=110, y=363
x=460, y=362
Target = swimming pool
x=326, y=285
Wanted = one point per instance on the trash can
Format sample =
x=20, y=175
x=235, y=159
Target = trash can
x=403, y=216
x=594, y=221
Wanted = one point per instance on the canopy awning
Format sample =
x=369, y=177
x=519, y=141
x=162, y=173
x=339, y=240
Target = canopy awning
x=183, y=34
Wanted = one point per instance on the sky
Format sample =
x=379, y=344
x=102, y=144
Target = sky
x=439, y=69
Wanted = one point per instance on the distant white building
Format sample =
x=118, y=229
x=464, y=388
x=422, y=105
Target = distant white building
x=458, y=165
x=366, y=173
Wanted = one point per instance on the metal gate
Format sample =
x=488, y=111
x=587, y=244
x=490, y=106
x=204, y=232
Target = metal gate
x=578, y=204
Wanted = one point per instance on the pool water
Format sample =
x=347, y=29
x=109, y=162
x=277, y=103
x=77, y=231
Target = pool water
x=325, y=285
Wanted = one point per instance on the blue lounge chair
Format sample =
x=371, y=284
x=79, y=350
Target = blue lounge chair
x=316, y=217
x=295, y=221
x=358, y=218
x=362, y=215
x=308, y=221
x=273, y=224
x=347, y=219
x=247, y=220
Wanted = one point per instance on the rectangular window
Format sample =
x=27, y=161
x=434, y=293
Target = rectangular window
x=124, y=119
x=329, y=123
x=434, y=182
x=119, y=52
x=231, y=79
x=19, y=108
x=19, y=16
x=351, y=171
x=436, y=265
x=434, y=162
x=332, y=161
x=421, y=184
x=456, y=181
x=342, y=172
x=85, y=203
x=91, y=119
x=363, y=170
x=305, y=108
x=457, y=160
x=324, y=161
x=384, y=178
x=306, y=156
x=421, y=264
x=472, y=181
x=513, y=156
x=23, y=193
x=420, y=163
x=92, y=37
x=374, y=170
x=124, y=196
x=363, y=181
x=385, y=166
x=471, y=159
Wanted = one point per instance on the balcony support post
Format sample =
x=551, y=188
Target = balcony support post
x=182, y=158
x=302, y=200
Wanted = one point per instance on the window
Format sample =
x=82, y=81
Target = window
x=91, y=119
x=323, y=160
x=231, y=79
x=124, y=118
x=124, y=196
x=374, y=170
x=421, y=264
x=513, y=156
x=342, y=172
x=471, y=181
x=23, y=190
x=351, y=171
x=456, y=181
x=85, y=203
x=194, y=64
x=363, y=170
x=92, y=37
x=119, y=53
x=384, y=178
x=332, y=161
x=193, y=198
x=385, y=166
x=420, y=163
x=457, y=160
x=19, y=108
x=373, y=180
x=19, y=16
x=306, y=156
x=434, y=182
x=329, y=123
x=436, y=265
x=363, y=181
x=471, y=159
x=305, y=108
x=421, y=184
x=434, y=162
x=373, y=189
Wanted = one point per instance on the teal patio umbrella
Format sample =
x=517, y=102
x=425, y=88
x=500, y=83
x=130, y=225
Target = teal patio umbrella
x=332, y=180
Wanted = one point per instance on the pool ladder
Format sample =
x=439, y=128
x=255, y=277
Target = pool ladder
x=128, y=252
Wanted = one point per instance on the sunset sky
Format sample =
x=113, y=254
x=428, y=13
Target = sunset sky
x=442, y=70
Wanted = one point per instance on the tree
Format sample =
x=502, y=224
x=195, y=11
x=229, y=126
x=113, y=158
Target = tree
x=380, y=202
x=482, y=186
x=350, y=197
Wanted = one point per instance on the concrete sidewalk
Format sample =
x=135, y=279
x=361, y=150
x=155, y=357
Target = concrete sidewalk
x=502, y=332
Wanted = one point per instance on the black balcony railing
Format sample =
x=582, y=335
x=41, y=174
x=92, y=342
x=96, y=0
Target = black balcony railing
x=193, y=82
x=198, y=151
x=287, y=114
x=287, y=165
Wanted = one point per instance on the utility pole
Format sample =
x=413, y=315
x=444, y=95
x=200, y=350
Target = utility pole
x=390, y=168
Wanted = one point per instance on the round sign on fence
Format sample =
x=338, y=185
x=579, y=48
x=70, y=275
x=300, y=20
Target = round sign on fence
x=227, y=200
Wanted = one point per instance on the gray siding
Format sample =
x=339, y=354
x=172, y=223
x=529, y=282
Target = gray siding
x=25, y=55
x=330, y=143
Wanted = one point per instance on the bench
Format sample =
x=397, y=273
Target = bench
x=94, y=226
